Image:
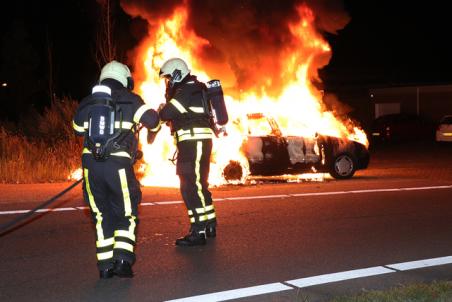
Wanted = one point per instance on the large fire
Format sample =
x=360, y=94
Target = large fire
x=297, y=107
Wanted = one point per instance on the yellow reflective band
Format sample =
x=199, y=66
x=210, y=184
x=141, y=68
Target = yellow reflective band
x=210, y=216
x=178, y=106
x=209, y=208
x=123, y=245
x=192, y=220
x=197, y=109
x=121, y=154
x=190, y=212
x=139, y=113
x=125, y=192
x=198, y=133
x=124, y=233
x=125, y=125
x=85, y=125
x=198, y=172
x=202, y=218
x=77, y=127
x=105, y=242
x=376, y=134
x=447, y=134
x=105, y=256
x=156, y=128
x=200, y=210
x=195, y=137
x=92, y=203
x=86, y=151
x=132, y=225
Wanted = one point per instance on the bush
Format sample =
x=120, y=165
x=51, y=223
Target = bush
x=43, y=148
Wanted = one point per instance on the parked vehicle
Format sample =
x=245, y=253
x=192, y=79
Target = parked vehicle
x=273, y=154
x=401, y=127
x=444, y=129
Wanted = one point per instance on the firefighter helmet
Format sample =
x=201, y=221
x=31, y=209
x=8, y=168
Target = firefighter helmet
x=117, y=71
x=176, y=69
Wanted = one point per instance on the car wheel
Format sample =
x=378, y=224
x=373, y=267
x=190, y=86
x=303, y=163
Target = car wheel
x=344, y=166
x=233, y=171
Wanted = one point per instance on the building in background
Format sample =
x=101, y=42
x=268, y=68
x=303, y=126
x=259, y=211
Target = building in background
x=429, y=102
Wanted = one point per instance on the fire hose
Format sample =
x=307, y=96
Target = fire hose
x=6, y=226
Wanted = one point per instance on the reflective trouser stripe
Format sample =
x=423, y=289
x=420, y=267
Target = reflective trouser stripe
x=208, y=214
x=105, y=242
x=105, y=256
x=92, y=203
x=130, y=233
x=125, y=192
x=198, y=172
x=123, y=245
x=105, y=248
x=126, y=234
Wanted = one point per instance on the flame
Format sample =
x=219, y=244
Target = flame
x=76, y=174
x=297, y=109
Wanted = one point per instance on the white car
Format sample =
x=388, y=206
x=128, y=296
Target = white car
x=444, y=130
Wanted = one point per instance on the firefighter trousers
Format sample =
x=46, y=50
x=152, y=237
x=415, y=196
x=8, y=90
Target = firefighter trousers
x=193, y=164
x=113, y=193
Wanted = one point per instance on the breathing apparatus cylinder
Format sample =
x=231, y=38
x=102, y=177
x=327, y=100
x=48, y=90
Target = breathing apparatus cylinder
x=215, y=94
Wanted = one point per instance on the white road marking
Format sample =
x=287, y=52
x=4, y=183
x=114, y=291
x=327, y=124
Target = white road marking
x=14, y=212
x=168, y=202
x=316, y=280
x=340, y=276
x=236, y=293
x=405, y=266
x=251, y=197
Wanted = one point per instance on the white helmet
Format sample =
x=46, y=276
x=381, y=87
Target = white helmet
x=117, y=71
x=174, y=68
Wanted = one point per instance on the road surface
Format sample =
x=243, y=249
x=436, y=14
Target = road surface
x=276, y=241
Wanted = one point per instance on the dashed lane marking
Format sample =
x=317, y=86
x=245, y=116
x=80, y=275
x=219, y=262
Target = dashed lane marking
x=341, y=276
x=249, y=198
x=315, y=280
x=405, y=266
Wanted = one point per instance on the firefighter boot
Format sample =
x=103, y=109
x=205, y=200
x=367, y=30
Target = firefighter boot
x=106, y=273
x=123, y=269
x=194, y=237
x=211, y=230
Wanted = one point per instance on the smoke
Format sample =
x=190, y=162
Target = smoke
x=247, y=38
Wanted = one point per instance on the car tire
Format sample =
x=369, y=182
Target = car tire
x=343, y=166
x=233, y=171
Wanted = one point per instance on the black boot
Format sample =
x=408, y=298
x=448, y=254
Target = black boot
x=211, y=231
x=123, y=269
x=192, y=238
x=106, y=273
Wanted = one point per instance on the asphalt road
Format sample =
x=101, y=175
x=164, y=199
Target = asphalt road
x=270, y=237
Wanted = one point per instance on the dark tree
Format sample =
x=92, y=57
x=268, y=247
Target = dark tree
x=19, y=69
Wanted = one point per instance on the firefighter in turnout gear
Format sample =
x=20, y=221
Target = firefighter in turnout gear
x=188, y=112
x=109, y=120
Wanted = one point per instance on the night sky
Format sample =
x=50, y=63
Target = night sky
x=383, y=44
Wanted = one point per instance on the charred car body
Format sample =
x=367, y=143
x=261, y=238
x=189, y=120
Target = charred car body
x=275, y=154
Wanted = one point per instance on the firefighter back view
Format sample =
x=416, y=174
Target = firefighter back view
x=188, y=109
x=109, y=119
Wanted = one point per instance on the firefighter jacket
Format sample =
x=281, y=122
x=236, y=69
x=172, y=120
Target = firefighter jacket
x=187, y=111
x=134, y=111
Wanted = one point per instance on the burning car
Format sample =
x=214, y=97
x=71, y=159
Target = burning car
x=270, y=153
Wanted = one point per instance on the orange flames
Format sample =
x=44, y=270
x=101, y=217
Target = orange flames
x=297, y=107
